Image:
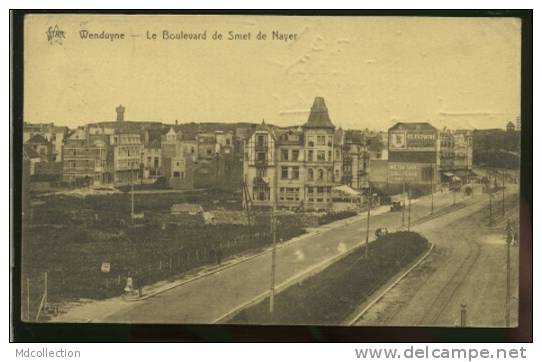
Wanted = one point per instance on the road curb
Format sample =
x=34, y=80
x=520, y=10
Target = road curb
x=351, y=321
x=317, y=231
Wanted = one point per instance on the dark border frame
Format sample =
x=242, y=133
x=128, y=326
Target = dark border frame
x=72, y=332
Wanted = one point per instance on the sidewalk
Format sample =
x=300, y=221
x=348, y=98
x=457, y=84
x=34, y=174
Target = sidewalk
x=149, y=291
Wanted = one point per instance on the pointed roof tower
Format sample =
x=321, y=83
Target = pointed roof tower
x=319, y=117
x=262, y=126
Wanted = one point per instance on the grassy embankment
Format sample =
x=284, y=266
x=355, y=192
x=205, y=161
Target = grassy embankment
x=330, y=296
x=69, y=238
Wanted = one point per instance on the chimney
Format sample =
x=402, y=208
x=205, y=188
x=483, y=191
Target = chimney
x=120, y=113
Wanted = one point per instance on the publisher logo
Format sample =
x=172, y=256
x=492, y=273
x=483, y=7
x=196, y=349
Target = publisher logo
x=55, y=35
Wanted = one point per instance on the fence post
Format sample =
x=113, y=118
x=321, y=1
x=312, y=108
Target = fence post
x=28, y=299
x=118, y=279
x=45, y=287
x=160, y=265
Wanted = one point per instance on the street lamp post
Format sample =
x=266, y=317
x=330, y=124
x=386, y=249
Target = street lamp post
x=490, y=208
x=132, y=194
x=508, y=242
x=503, y=192
x=273, y=197
x=404, y=205
x=432, y=188
x=409, y=205
x=368, y=222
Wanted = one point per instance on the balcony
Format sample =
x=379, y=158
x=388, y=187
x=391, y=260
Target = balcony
x=260, y=181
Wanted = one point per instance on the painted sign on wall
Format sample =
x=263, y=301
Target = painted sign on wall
x=412, y=140
x=409, y=172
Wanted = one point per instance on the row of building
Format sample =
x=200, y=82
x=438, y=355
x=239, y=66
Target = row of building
x=301, y=166
x=121, y=152
x=297, y=166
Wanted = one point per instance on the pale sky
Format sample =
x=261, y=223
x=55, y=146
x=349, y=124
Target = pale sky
x=454, y=72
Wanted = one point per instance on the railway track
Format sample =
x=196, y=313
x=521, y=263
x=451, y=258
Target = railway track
x=450, y=288
x=447, y=293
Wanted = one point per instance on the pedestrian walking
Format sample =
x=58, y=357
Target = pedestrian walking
x=129, y=288
x=138, y=284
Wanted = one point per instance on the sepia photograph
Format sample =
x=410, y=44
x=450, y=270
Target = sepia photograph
x=271, y=170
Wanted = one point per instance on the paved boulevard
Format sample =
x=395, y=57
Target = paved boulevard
x=211, y=298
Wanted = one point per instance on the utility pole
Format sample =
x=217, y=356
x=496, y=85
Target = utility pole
x=132, y=194
x=508, y=242
x=404, y=205
x=490, y=209
x=409, y=205
x=28, y=299
x=432, y=190
x=273, y=253
x=368, y=222
x=467, y=142
x=503, y=192
x=45, y=288
x=216, y=169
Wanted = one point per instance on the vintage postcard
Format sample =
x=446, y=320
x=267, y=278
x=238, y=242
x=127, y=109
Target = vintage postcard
x=289, y=170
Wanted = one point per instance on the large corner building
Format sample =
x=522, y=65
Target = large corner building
x=295, y=166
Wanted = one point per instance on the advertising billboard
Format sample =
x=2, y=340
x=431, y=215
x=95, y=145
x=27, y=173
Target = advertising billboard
x=397, y=140
x=409, y=172
x=412, y=141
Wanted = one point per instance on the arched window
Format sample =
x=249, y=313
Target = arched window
x=311, y=174
x=320, y=175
